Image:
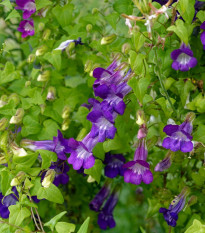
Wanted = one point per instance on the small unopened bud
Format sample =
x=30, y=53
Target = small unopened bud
x=51, y=93
x=65, y=124
x=28, y=83
x=88, y=66
x=95, y=11
x=140, y=117
x=143, y=6
x=31, y=58
x=66, y=112
x=192, y=200
x=4, y=139
x=17, y=118
x=108, y=39
x=91, y=72
x=3, y=160
x=42, y=50
x=2, y=103
x=70, y=48
x=41, y=26
x=90, y=179
x=43, y=107
x=126, y=48
x=18, y=179
x=44, y=77
x=89, y=27
x=15, y=98
x=81, y=134
x=48, y=179
x=17, y=151
x=46, y=34
x=3, y=124
x=142, y=132
x=190, y=116
x=164, y=164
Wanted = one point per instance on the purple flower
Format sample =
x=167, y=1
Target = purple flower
x=183, y=58
x=137, y=171
x=114, y=165
x=27, y=6
x=202, y=36
x=141, y=151
x=100, y=197
x=61, y=176
x=103, y=122
x=59, y=145
x=171, y=214
x=179, y=137
x=7, y=201
x=164, y=164
x=81, y=153
x=105, y=217
x=26, y=27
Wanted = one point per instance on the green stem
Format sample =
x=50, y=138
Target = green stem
x=170, y=229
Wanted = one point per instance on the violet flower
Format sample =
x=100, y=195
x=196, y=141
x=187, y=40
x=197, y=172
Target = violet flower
x=81, y=153
x=100, y=197
x=61, y=176
x=27, y=6
x=164, y=164
x=114, y=165
x=26, y=27
x=183, y=58
x=179, y=137
x=102, y=122
x=202, y=36
x=105, y=217
x=141, y=151
x=171, y=214
x=7, y=201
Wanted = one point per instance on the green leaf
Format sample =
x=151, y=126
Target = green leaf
x=7, y=4
x=30, y=126
x=139, y=40
x=42, y=3
x=186, y=10
x=98, y=151
x=64, y=15
x=14, y=14
x=64, y=227
x=54, y=59
x=201, y=16
x=137, y=62
x=49, y=130
x=95, y=171
x=52, y=193
x=18, y=214
x=47, y=157
x=112, y=19
x=54, y=220
x=198, y=180
x=196, y=227
x=9, y=73
x=165, y=105
x=8, y=109
x=199, y=135
x=25, y=161
x=84, y=227
x=6, y=178
x=123, y=6
x=139, y=87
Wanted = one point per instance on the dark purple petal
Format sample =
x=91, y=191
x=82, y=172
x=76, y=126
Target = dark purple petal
x=193, y=62
x=175, y=54
x=186, y=146
x=111, y=172
x=100, y=73
x=203, y=25
x=166, y=143
x=102, y=91
x=94, y=116
x=170, y=129
x=202, y=36
x=174, y=144
x=175, y=65
x=136, y=178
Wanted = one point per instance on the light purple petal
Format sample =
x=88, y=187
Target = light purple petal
x=166, y=143
x=174, y=144
x=89, y=162
x=175, y=65
x=186, y=146
x=193, y=62
x=147, y=177
x=202, y=36
x=78, y=163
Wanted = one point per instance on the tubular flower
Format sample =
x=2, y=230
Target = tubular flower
x=179, y=137
x=202, y=36
x=164, y=164
x=81, y=154
x=26, y=27
x=100, y=197
x=105, y=217
x=114, y=165
x=171, y=214
x=65, y=44
x=27, y=6
x=183, y=58
x=7, y=201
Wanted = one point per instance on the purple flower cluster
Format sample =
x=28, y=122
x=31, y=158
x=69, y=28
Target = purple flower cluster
x=26, y=26
x=202, y=36
x=105, y=216
x=138, y=170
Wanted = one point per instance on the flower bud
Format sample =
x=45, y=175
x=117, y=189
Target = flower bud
x=18, y=179
x=48, y=179
x=142, y=133
x=45, y=76
x=51, y=93
x=42, y=50
x=192, y=200
x=31, y=58
x=140, y=117
x=69, y=49
x=66, y=112
x=46, y=34
x=15, y=98
x=43, y=107
x=91, y=72
x=17, y=118
x=2, y=103
x=90, y=179
x=28, y=83
x=108, y=39
x=126, y=48
x=190, y=116
x=2, y=160
x=164, y=164
x=95, y=11
x=65, y=124
x=89, y=27
x=17, y=151
x=142, y=5
x=4, y=139
x=88, y=66
x=3, y=124
x=41, y=26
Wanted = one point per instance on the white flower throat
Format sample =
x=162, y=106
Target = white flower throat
x=183, y=58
